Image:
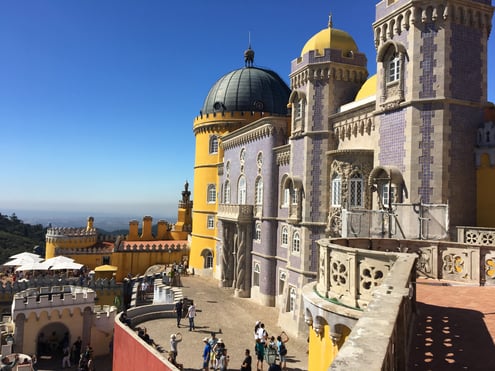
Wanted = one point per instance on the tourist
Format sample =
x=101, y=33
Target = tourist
x=260, y=354
x=223, y=361
x=178, y=311
x=282, y=349
x=218, y=350
x=206, y=354
x=212, y=341
x=174, y=340
x=262, y=335
x=191, y=313
x=246, y=364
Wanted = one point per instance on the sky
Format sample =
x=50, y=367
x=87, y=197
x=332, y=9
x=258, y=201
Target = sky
x=98, y=97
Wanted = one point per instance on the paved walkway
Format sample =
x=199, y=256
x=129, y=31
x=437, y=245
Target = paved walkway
x=233, y=320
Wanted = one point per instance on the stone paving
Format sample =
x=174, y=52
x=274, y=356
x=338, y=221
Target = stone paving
x=233, y=320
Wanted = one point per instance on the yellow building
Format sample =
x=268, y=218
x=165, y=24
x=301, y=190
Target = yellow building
x=131, y=254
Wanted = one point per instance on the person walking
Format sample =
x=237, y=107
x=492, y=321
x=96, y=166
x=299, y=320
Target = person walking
x=246, y=364
x=191, y=313
x=206, y=354
x=178, y=311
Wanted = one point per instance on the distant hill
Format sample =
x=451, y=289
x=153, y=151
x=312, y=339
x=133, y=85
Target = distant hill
x=17, y=236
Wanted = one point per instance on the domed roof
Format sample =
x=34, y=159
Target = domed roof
x=330, y=38
x=248, y=89
x=368, y=89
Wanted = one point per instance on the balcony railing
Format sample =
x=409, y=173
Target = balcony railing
x=235, y=213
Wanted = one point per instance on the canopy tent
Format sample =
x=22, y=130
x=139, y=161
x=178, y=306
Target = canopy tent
x=105, y=271
x=55, y=261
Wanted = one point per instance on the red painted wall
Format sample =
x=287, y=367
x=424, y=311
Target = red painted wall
x=130, y=354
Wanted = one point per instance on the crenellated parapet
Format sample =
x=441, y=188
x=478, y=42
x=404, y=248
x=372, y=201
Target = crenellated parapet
x=472, y=14
x=53, y=298
x=71, y=237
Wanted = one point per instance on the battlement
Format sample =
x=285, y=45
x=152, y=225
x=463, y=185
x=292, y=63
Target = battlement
x=52, y=298
x=70, y=232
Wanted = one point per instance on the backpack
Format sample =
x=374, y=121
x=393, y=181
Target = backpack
x=283, y=349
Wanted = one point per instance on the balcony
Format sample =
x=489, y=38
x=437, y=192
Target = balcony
x=235, y=213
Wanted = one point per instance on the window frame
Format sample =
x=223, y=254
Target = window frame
x=258, y=191
x=242, y=190
x=393, y=69
x=226, y=192
x=213, y=145
x=257, y=231
x=210, y=222
x=356, y=185
x=284, y=236
x=296, y=243
x=211, y=194
x=256, y=274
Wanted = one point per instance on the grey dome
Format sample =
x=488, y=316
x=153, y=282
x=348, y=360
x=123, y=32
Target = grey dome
x=248, y=89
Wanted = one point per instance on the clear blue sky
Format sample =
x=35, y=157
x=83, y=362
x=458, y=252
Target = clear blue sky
x=98, y=97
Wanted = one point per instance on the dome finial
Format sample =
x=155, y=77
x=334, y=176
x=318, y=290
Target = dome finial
x=249, y=54
x=330, y=22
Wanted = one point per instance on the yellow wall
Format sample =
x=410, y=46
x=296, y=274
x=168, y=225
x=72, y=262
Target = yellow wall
x=205, y=173
x=322, y=350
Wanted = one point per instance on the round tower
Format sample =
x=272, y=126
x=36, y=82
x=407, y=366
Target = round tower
x=237, y=99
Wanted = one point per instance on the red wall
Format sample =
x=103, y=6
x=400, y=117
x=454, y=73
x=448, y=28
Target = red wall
x=130, y=354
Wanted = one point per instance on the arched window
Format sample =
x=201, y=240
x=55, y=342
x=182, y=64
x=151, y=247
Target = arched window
x=296, y=243
x=336, y=190
x=208, y=259
x=241, y=190
x=257, y=232
x=356, y=190
x=210, y=222
x=226, y=192
x=212, y=194
x=256, y=274
x=213, y=144
x=258, y=197
x=285, y=236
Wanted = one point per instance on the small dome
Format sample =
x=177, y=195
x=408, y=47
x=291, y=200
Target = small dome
x=368, y=89
x=330, y=38
x=248, y=89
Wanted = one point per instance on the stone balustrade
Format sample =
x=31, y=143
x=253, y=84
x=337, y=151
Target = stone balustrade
x=452, y=261
x=369, y=291
x=476, y=236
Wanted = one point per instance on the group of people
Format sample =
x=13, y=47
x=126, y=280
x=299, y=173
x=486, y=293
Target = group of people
x=181, y=310
x=265, y=344
x=215, y=354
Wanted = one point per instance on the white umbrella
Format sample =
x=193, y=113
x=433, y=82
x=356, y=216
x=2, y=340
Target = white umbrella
x=27, y=255
x=49, y=263
x=23, y=260
x=33, y=266
x=66, y=266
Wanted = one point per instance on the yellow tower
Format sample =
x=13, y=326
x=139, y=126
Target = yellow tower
x=235, y=100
